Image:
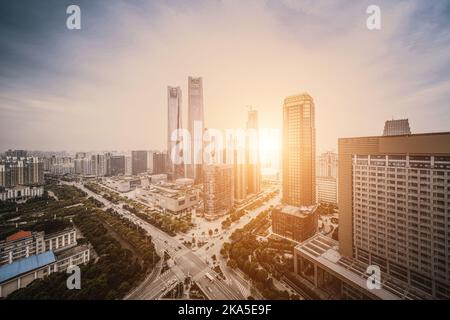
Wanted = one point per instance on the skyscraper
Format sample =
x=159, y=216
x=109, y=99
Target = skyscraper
x=218, y=193
x=196, y=127
x=396, y=127
x=239, y=171
x=299, y=147
x=252, y=157
x=174, y=123
x=138, y=161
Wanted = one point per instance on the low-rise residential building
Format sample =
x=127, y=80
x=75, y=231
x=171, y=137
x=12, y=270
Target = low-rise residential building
x=23, y=244
x=20, y=193
x=26, y=256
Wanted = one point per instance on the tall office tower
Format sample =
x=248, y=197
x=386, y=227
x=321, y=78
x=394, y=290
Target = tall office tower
x=196, y=127
x=394, y=202
x=299, y=145
x=117, y=165
x=174, y=123
x=239, y=171
x=218, y=193
x=252, y=157
x=396, y=127
x=33, y=171
x=326, y=180
x=138, y=161
x=159, y=162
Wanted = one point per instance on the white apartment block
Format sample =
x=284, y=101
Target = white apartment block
x=326, y=190
x=20, y=193
x=401, y=218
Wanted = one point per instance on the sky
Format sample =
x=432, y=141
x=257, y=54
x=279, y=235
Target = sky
x=104, y=87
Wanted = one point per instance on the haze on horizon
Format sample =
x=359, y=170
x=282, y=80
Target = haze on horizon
x=104, y=87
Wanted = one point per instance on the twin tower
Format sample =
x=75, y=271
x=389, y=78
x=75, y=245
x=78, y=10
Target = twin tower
x=195, y=123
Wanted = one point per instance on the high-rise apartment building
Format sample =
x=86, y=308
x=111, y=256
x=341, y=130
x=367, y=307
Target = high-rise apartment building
x=98, y=165
x=174, y=123
x=138, y=161
x=396, y=127
x=150, y=161
x=21, y=171
x=299, y=147
x=196, y=128
x=326, y=190
x=394, y=202
x=218, y=193
x=253, y=165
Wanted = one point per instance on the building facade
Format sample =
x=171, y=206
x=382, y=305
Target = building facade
x=138, y=162
x=26, y=256
x=396, y=127
x=117, y=165
x=21, y=171
x=20, y=193
x=294, y=223
x=299, y=145
x=174, y=141
x=196, y=127
x=218, y=193
x=394, y=208
x=253, y=164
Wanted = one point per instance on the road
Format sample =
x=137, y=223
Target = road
x=187, y=263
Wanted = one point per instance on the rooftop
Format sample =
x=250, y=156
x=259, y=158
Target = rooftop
x=297, y=211
x=10, y=271
x=72, y=251
x=324, y=250
x=19, y=235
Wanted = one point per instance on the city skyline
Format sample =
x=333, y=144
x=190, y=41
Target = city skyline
x=385, y=78
x=224, y=150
